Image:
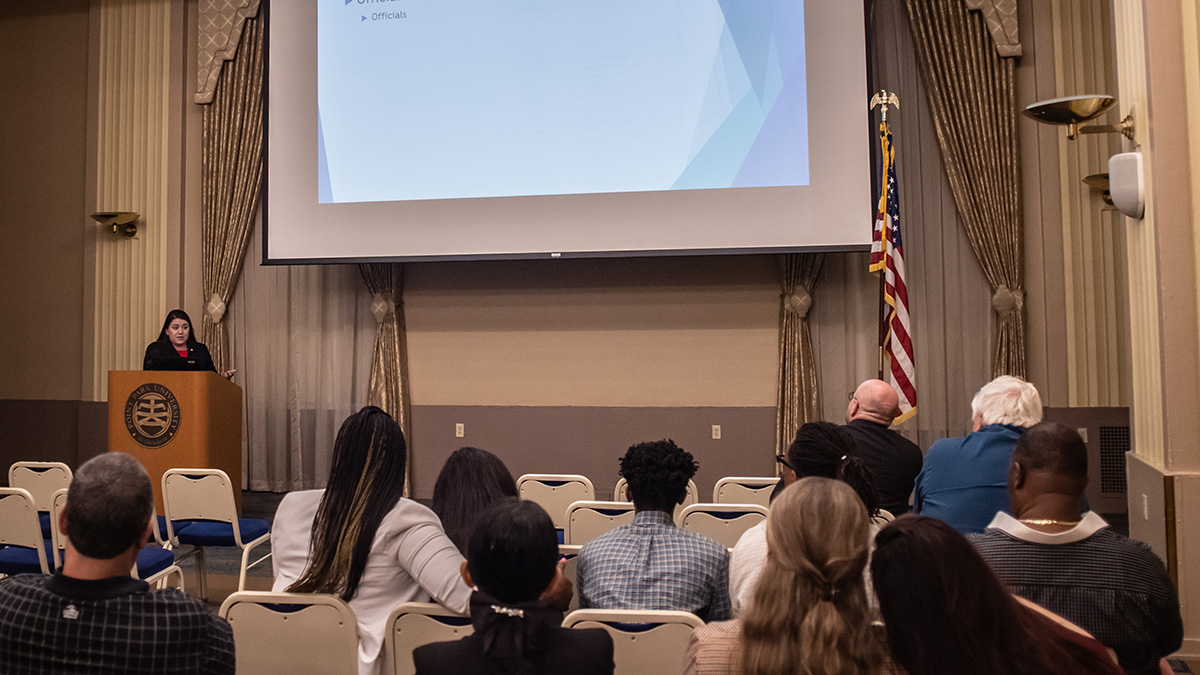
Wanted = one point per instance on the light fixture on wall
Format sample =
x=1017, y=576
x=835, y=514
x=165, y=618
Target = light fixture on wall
x=1074, y=110
x=122, y=222
x=1124, y=182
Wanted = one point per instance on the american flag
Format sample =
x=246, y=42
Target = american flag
x=887, y=256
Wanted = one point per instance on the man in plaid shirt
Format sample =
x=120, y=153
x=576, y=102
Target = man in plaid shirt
x=652, y=564
x=91, y=616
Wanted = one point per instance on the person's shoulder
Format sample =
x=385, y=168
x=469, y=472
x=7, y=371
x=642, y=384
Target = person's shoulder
x=717, y=631
x=943, y=445
x=409, y=513
x=1131, y=550
x=584, y=641
x=178, y=602
x=453, y=656
x=23, y=585
x=710, y=547
x=605, y=541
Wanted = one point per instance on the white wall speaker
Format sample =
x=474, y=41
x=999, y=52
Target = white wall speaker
x=1126, y=183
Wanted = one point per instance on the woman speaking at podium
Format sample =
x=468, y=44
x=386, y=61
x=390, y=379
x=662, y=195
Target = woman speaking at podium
x=177, y=349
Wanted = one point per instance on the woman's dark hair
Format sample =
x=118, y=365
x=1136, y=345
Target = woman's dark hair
x=470, y=480
x=657, y=474
x=513, y=552
x=947, y=612
x=179, y=314
x=826, y=450
x=365, y=482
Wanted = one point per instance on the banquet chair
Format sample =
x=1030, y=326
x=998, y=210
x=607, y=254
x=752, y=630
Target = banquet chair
x=413, y=624
x=744, y=490
x=204, y=497
x=644, y=641
x=295, y=633
x=42, y=480
x=555, y=492
x=24, y=550
x=724, y=523
x=588, y=520
x=155, y=563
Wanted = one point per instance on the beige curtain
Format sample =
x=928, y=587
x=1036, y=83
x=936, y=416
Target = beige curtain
x=232, y=178
x=389, y=359
x=798, y=399
x=970, y=90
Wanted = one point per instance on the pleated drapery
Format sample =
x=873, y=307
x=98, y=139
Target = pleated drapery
x=389, y=359
x=798, y=400
x=231, y=182
x=971, y=93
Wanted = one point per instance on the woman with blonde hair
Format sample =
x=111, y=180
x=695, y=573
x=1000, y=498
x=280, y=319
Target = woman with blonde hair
x=809, y=611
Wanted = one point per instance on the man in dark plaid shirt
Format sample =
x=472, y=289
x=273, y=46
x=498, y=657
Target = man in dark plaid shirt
x=652, y=564
x=91, y=616
x=1071, y=563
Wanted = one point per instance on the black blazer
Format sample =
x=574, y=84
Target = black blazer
x=576, y=651
x=162, y=356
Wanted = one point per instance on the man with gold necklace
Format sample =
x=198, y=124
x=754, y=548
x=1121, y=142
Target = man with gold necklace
x=1071, y=563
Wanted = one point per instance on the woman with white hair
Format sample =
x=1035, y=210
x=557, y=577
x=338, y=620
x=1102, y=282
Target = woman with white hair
x=964, y=481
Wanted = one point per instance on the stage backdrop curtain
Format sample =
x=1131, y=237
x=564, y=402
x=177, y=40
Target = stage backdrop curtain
x=231, y=181
x=799, y=396
x=970, y=87
x=389, y=357
x=302, y=338
x=952, y=324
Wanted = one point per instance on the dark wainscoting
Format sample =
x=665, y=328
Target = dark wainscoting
x=590, y=440
x=51, y=431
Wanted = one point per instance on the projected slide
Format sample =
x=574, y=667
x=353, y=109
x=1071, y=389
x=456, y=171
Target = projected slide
x=444, y=99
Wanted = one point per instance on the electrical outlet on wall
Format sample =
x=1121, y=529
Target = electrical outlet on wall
x=459, y=430
x=716, y=432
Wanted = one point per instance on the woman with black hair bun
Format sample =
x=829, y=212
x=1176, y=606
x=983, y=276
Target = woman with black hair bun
x=512, y=558
x=361, y=540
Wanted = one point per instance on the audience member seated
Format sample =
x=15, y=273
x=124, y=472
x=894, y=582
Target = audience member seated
x=91, y=615
x=963, y=481
x=651, y=563
x=894, y=460
x=946, y=612
x=359, y=539
x=512, y=558
x=820, y=449
x=1071, y=563
x=809, y=610
x=469, y=482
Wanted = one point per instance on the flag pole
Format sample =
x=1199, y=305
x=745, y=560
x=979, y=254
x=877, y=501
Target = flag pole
x=882, y=100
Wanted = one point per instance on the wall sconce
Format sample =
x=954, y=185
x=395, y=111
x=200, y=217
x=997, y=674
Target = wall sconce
x=1074, y=110
x=122, y=222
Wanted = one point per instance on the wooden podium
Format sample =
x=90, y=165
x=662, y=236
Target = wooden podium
x=176, y=419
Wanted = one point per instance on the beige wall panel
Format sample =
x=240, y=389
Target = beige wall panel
x=619, y=332
x=43, y=127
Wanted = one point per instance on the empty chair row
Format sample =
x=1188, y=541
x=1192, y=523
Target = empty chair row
x=307, y=633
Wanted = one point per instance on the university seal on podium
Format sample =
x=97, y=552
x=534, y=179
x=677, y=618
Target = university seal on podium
x=152, y=415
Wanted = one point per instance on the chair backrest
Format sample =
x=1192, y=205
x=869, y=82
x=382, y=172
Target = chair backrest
x=413, y=624
x=199, y=494
x=883, y=517
x=588, y=520
x=57, y=503
x=643, y=641
x=555, y=492
x=292, y=632
x=570, y=552
x=744, y=490
x=40, y=479
x=621, y=494
x=19, y=523
x=724, y=523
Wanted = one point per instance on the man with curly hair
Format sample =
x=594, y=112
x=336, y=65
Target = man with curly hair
x=652, y=564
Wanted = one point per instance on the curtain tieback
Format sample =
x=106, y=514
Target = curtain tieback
x=215, y=308
x=798, y=303
x=1008, y=302
x=381, y=307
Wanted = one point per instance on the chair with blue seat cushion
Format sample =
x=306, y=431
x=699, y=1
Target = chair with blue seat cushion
x=24, y=550
x=41, y=480
x=644, y=641
x=744, y=490
x=587, y=520
x=205, y=497
x=554, y=492
x=414, y=624
x=295, y=633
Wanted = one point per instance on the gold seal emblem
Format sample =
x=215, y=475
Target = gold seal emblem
x=152, y=415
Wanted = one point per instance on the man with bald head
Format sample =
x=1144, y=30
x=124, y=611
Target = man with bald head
x=1071, y=563
x=893, y=459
